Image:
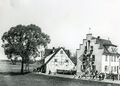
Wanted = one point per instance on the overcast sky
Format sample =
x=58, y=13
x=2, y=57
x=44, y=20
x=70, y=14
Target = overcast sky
x=66, y=21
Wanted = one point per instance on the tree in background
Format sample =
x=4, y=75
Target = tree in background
x=23, y=41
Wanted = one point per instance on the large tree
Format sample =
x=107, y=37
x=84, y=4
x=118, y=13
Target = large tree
x=23, y=41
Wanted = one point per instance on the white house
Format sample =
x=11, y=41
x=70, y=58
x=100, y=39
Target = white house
x=98, y=54
x=58, y=59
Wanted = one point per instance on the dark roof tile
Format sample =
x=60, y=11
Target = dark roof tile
x=104, y=44
x=50, y=51
x=74, y=60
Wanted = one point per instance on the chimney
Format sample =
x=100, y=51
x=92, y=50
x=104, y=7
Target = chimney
x=53, y=49
x=98, y=37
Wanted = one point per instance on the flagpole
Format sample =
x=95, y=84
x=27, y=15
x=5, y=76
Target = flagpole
x=89, y=30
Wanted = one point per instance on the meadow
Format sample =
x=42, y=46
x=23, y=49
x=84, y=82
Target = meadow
x=10, y=76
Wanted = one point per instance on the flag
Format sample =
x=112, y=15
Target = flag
x=89, y=29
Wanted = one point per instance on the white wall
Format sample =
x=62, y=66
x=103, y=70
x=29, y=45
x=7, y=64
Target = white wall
x=60, y=64
x=109, y=63
x=96, y=51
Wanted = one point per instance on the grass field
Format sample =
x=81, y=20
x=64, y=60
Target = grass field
x=43, y=80
x=31, y=79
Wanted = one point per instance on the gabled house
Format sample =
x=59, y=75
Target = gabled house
x=57, y=60
x=98, y=54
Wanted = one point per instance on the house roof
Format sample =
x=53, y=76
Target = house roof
x=108, y=53
x=74, y=60
x=50, y=51
x=54, y=52
x=105, y=44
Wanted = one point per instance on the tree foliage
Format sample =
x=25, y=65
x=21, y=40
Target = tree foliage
x=23, y=41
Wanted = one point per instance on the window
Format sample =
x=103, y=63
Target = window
x=67, y=64
x=61, y=52
x=111, y=58
x=66, y=60
x=106, y=58
x=93, y=62
x=83, y=67
x=86, y=48
x=106, y=68
x=56, y=65
x=114, y=58
x=91, y=50
x=88, y=42
x=93, y=67
x=117, y=58
x=91, y=47
x=93, y=57
x=115, y=68
x=55, y=60
x=111, y=68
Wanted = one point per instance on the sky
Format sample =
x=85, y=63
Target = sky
x=66, y=21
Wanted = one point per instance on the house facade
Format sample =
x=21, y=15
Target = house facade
x=98, y=54
x=58, y=60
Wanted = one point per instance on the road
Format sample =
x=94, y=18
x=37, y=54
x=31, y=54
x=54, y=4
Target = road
x=72, y=77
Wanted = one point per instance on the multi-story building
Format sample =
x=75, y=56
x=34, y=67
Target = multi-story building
x=97, y=54
x=58, y=60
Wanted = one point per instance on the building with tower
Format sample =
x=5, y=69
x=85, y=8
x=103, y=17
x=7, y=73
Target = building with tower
x=57, y=60
x=98, y=54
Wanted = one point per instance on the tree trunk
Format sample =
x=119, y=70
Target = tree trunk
x=22, y=66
